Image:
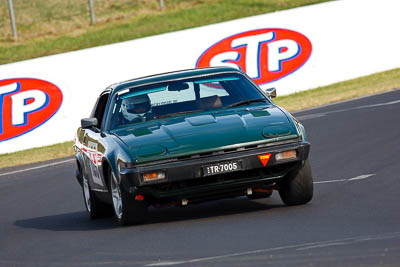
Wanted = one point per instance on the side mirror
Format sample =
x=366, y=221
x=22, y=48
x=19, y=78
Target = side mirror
x=271, y=92
x=89, y=123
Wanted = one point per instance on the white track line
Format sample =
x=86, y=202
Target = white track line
x=37, y=167
x=361, y=177
x=344, y=241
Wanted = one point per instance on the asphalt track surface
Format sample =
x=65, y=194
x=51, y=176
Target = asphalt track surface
x=353, y=219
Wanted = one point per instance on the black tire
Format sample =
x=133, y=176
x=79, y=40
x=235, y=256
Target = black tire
x=129, y=211
x=298, y=187
x=94, y=206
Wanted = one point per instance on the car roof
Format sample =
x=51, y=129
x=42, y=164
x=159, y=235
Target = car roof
x=171, y=76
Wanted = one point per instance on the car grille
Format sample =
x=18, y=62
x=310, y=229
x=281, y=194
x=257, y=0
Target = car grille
x=220, y=152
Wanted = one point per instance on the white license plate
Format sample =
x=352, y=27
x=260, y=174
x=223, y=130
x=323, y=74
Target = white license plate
x=223, y=167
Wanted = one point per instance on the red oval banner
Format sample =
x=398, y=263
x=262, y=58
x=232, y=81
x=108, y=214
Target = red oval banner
x=25, y=104
x=266, y=55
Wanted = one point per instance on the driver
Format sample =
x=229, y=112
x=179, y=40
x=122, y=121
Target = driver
x=136, y=109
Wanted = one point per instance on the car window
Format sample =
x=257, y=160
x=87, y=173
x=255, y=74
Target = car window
x=212, y=88
x=99, y=108
x=140, y=104
x=165, y=97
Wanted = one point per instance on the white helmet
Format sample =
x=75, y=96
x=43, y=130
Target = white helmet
x=135, y=107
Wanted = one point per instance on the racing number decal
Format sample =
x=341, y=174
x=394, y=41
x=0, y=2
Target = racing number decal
x=94, y=159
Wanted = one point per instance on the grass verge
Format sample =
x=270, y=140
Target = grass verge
x=35, y=155
x=60, y=26
x=367, y=85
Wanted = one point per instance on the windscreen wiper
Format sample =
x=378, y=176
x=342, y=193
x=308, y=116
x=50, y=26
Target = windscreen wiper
x=178, y=113
x=246, y=102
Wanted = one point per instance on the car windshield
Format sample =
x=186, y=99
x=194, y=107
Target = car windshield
x=175, y=98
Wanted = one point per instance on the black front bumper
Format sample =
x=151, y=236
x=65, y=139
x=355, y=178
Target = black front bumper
x=185, y=178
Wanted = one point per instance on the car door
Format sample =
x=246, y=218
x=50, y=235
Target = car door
x=94, y=147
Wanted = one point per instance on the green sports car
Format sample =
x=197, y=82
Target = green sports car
x=186, y=137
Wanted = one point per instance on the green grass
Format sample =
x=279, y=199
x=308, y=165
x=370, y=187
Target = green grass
x=379, y=82
x=51, y=27
x=37, y=154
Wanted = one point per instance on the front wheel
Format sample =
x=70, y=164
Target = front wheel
x=94, y=206
x=127, y=210
x=298, y=188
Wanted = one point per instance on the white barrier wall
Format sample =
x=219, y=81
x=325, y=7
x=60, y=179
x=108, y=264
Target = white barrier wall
x=291, y=50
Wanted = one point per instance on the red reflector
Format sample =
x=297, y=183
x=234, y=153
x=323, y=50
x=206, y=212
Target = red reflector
x=139, y=197
x=264, y=159
x=263, y=190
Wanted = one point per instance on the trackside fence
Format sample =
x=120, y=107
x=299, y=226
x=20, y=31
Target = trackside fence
x=40, y=17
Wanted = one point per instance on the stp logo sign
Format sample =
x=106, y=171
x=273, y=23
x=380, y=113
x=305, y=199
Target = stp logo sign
x=25, y=104
x=266, y=55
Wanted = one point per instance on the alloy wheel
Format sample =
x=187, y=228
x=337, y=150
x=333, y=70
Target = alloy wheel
x=86, y=193
x=116, y=197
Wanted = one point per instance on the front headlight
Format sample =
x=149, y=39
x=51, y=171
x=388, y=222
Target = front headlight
x=286, y=155
x=152, y=176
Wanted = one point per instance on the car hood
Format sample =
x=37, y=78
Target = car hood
x=202, y=132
